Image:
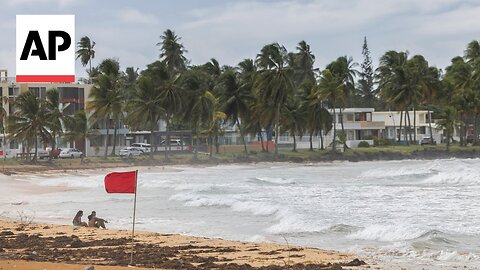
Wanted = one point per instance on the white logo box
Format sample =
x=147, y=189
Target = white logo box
x=33, y=69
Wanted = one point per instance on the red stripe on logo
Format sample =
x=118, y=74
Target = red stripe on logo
x=45, y=78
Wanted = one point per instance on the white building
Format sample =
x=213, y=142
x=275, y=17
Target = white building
x=358, y=125
x=422, y=122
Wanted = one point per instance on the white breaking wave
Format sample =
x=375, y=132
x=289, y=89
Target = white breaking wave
x=193, y=199
x=458, y=176
x=275, y=181
x=387, y=233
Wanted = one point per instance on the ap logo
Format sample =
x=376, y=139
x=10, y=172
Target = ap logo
x=45, y=48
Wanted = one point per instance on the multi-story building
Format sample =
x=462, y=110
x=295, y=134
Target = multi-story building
x=71, y=94
x=422, y=120
x=358, y=126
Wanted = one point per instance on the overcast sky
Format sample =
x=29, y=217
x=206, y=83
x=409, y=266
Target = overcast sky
x=233, y=30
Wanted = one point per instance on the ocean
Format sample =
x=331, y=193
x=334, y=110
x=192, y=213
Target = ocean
x=413, y=214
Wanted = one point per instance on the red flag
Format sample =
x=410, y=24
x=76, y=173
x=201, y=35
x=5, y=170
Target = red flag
x=121, y=182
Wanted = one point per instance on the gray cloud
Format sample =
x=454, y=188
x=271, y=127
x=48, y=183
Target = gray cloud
x=233, y=30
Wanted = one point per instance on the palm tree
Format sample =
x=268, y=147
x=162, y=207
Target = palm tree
x=144, y=108
x=459, y=80
x=319, y=120
x=235, y=97
x=86, y=52
x=172, y=51
x=344, y=69
x=275, y=81
x=303, y=61
x=448, y=121
x=393, y=82
x=107, y=98
x=55, y=115
x=214, y=128
x=330, y=88
x=472, y=52
x=200, y=102
x=167, y=85
x=77, y=128
x=294, y=120
x=29, y=122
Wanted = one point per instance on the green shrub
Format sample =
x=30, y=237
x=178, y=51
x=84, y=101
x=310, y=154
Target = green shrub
x=363, y=144
x=383, y=142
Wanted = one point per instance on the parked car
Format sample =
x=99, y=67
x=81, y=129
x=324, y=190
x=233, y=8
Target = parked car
x=41, y=154
x=427, y=140
x=70, y=153
x=144, y=147
x=130, y=152
x=173, y=142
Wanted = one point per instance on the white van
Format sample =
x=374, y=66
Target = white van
x=144, y=147
x=173, y=142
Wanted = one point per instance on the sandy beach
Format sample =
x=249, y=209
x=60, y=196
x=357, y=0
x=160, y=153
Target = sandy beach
x=46, y=246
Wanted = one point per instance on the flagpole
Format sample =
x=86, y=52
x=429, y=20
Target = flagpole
x=133, y=226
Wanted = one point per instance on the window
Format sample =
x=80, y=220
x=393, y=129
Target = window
x=40, y=92
x=71, y=94
x=357, y=117
x=13, y=91
x=11, y=107
x=13, y=144
x=368, y=117
x=349, y=117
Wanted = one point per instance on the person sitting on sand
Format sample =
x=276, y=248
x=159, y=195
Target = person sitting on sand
x=77, y=220
x=93, y=221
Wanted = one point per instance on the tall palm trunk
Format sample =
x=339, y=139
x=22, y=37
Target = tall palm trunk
x=294, y=143
x=277, y=128
x=475, y=129
x=268, y=141
x=107, y=140
x=261, y=138
x=430, y=124
x=343, y=129
x=243, y=137
x=409, y=126
x=462, y=128
x=415, y=125
x=36, y=147
x=54, y=144
x=321, y=140
x=334, y=143
x=448, y=139
x=197, y=142
x=114, y=137
x=210, y=145
x=217, y=144
x=311, y=140
x=167, y=140
x=407, y=131
x=90, y=74
x=400, y=127
x=152, y=139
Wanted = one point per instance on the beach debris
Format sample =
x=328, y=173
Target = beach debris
x=6, y=233
x=89, y=267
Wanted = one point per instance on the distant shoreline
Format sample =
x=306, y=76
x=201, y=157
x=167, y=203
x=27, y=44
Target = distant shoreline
x=357, y=155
